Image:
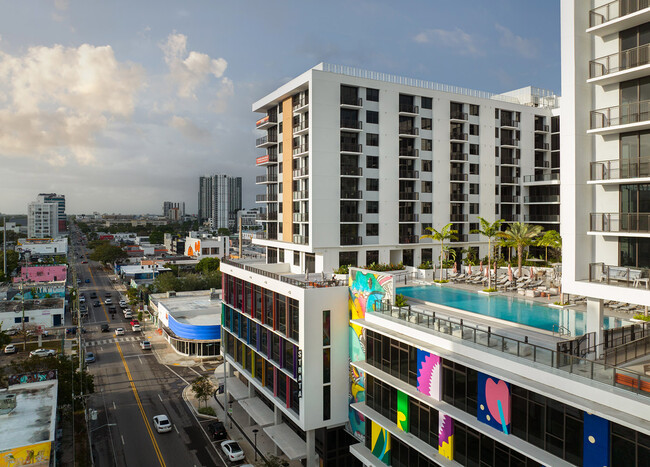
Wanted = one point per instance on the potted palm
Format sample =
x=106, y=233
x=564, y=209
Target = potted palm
x=489, y=230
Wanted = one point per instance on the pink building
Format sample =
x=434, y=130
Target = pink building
x=42, y=273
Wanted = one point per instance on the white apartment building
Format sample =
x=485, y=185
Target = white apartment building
x=42, y=219
x=359, y=163
x=201, y=246
x=606, y=151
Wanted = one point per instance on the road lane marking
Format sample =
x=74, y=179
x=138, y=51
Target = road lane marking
x=139, y=359
x=200, y=375
x=122, y=436
x=176, y=429
x=202, y=368
x=161, y=401
x=142, y=413
x=183, y=379
x=114, y=406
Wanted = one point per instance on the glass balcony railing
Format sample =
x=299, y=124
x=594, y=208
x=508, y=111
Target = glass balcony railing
x=624, y=114
x=620, y=61
x=619, y=222
x=613, y=10
x=301, y=217
x=614, y=169
x=622, y=276
x=553, y=218
x=541, y=177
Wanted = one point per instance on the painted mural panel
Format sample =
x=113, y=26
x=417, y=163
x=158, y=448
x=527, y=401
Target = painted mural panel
x=446, y=436
x=402, y=411
x=366, y=291
x=428, y=382
x=380, y=443
x=494, y=402
x=596, y=441
x=35, y=455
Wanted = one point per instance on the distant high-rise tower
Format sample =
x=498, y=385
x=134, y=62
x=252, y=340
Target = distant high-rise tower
x=42, y=219
x=173, y=211
x=220, y=197
x=59, y=200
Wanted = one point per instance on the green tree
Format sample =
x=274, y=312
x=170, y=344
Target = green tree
x=156, y=237
x=166, y=282
x=173, y=267
x=446, y=233
x=207, y=265
x=521, y=235
x=223, y=232
x=202, y=388
x=489, y=230
x=107, y=253
x=4, y=337
x=12, y=263
x=551, y=238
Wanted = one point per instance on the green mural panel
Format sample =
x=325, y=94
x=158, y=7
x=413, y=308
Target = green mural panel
x=402, y=411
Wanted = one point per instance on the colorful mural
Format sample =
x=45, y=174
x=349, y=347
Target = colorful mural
x=429, y=374
x=366, y=291
x=494, y=402
x=402, y=411
x=596, y=440
x=36, y=455
x=380, y=443
x=446, y=436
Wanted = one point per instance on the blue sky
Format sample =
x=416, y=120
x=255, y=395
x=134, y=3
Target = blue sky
x=121, y=105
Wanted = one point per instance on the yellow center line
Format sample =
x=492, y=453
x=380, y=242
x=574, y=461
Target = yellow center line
x=95, y=286
x=144, y=416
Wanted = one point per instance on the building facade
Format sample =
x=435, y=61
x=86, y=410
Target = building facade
x=220, y=197
x=42, y=220
x=247, y=218
x=59, y=200
x=174, y=211
x=358, y=164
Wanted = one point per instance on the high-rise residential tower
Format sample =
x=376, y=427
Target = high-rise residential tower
x=59, y=200
x=220, y=197
x=42, y=219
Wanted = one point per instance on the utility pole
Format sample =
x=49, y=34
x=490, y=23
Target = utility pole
x=4, y=247
x=22, y=300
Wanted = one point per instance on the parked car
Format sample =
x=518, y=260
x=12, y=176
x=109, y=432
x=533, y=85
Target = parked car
x=136, y=328
x=84, y=262
x=12, y=331
x=119, y=331
x=108, y=301
x=93, y=295
x=162, y=423
x=145, y=345
x=42, y=353
x=87, y=281
x=128, y=314
x=111, y=309
x=232, y=450
x=90, y=357
x=105, y=328
x=10, y=348
x=96, y=303
x=107, y=295
x=217, y=431
x=82, y=299
x=134, y=321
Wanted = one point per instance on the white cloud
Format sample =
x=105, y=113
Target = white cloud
x=61, y=4
x=189, y=70
x=56, y=100
x=509, y=40
x=188, y=128
x=456, y=39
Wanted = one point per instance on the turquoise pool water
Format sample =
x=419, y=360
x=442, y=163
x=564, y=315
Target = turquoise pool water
x=525, y=312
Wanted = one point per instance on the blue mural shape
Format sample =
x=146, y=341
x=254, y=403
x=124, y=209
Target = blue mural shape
x=596, y=441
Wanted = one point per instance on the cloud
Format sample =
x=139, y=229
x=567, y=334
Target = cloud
x=61, y=4
x=457, y=39
x=509, y=40
x=188, y=129
x=57, y=99
x=189, y=70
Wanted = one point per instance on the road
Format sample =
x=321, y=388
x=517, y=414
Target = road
x=131, y=387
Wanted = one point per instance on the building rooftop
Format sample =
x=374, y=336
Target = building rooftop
x=34, y=418
x=42, y=304
x=197, y=307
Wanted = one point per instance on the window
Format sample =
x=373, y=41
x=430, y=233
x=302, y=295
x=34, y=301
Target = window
x=372, y=139
x=473, y=109
x=473, y=129
x=372, y=95
x=372, y=162
x=372, y=116
x=372, y=207
x=459, y=386
x=427, y=166
x=628, y=447
x=372, y=230
x=347, y=258
x=392, y=356
x=427, y=123
x=427, y=208
x=473, y=208
x=326, y=366
x=327, y=402
x=427, y=187
x=427, y=144
x=496, y=132
x=473, y=149
x=296, y=258
x=326, y=327
x=473, y=169
x=427, y=103
x=372, y=256
x=473, y=226
x=372, y=184
x=496, y=113
x=473, y=189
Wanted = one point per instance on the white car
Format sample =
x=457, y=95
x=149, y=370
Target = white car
x=42, y=353
x=10, y=348
x=136, y=328
x=108, y=301
x=119, y=331
x=232, y=450
x=162, y=423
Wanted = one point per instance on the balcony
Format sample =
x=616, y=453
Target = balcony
x=350, y=240
x=541, y=128
x=266, y=141
x=268, y=216
x=266, y=159
x=616, y=169
x=510, y=180
x=545, y=218
x=617, y=16
x=542, y=165
x=458, y=218
x=457, y=136
x=625, y=65
x=352, y=147
x=621, y=276
x=542, y=199
x=510, y=217
x=509, y=160
x=407, y=131
x=456, y=115
x=457, y=197
x=409, y=152
x=542, y=146
x=458, y=156
x=266, y=122
x=623, y=222
x=301, y=127
x=262, y=179
x=301, y=103
x=509, y=199
x=462, y=238
x=409, y=239
x=351, y=171
x=302, y=194
x=509, y=142
x=351, y=194
x=409, y=109
x=301, y=172
x=301, y=217
x=350, y=217
x=350, y=101
x=458, y=177
x=301, y=239
x=509, y=123
x=409, y=174
x=408, y=217
x=300, y=150
x=409, y=196
x=625, y=117
x=352, y=124
x=543, y=179
x=266, y=198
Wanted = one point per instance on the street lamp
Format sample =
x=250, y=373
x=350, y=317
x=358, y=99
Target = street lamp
x=255, y=431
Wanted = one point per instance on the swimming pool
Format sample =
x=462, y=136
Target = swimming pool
x=512, y=309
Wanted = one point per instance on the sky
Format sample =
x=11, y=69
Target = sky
x=121, y=105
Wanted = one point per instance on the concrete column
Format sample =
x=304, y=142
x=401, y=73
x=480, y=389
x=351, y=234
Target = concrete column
x=251, y=394
x=595, y=315
x=278, y=419
x=312, y=457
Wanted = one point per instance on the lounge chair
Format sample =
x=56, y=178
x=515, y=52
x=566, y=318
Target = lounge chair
x=616, y=306
x=628, y=307
x=459, y=277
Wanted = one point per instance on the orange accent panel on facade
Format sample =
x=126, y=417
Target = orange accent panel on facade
x=287, y=171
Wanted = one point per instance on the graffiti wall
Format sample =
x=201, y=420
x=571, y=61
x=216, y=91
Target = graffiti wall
x=36, y=455
x=32, y=377
x=366, y=291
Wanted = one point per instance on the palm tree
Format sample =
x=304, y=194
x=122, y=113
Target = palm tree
x=446, y=233
x=551, y=239
x=489, y=230
x=521, y=235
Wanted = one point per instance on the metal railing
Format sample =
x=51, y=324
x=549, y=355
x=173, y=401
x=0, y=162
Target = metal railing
x=458, y=217
x=351, y=217
x=351, y=100
x=542, y=164
x=353, y=124
x=300, y=102
x=455, y=115
x=509, y=199
x=300, y=239
x=542, y=218
x=542, y=146
x=509, y=122
x=301, y=194
x=458, y=177
x=300, y=149
x=351, y=170
x=541, y=177
x=458, y=156
x=628, y=351
x=266, y=198
x=457, y=197
x=408, y=130
x=460, y=238
x=409, y=108
x=409, y=195
x=264, y=120
x=350, y=240
x=408, y=152
x=508, y=160
x=624, y=114
x=509, y=142
x=619, y=222
x=616, y=9
x=620, y=61
x=542, y=199
x=542, y=127
x=409, y=239
x=268, y=216
x=618, y=168
x=575, y=367
x=408, y=217
x=409, y=174
x=304, y=125
x=301, y=172
x=458, y=136
x=618, y=275
x=351, y=194
x=266, y=139
x=510, y=180
x=351, y=147
x=301, y=217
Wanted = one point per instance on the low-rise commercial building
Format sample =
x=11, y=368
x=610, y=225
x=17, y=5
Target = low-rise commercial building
x=42, y=273
x=43, y=246
x=206, y=246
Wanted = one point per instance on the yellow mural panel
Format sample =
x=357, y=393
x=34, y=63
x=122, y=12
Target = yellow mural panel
x=35, y=455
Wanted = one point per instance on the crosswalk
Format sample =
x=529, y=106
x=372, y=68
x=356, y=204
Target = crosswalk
x=113, y=340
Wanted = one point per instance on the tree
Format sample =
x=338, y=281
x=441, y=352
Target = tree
x=207, y=265
x=446, y=233
x=489, y=230
x=12, y=263
x=166, y=282
x=223, y=232
x=4, y=337
x=521, y=235
x=173, y=267
x=106, y=253
x=202, y=388
x=551, y=238
x=156, y=237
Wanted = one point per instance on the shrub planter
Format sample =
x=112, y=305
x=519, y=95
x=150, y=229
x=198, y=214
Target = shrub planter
x=425, y=274
x=341, y=277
